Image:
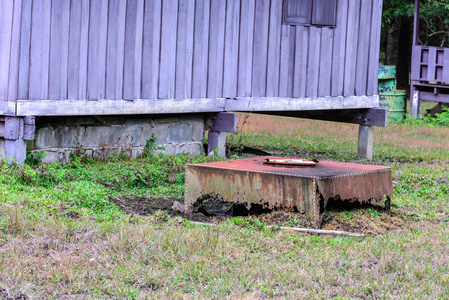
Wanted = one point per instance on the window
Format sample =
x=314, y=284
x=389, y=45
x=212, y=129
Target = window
x=310, y=12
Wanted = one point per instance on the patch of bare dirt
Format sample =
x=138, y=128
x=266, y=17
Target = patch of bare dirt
x=362, y=220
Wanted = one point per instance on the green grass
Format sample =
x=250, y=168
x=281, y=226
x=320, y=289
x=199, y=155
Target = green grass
x=60, y=235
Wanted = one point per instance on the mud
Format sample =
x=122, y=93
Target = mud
x=367, y=219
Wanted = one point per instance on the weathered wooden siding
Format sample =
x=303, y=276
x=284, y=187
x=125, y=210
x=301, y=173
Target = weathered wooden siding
x=192, y=49
x=10, y=19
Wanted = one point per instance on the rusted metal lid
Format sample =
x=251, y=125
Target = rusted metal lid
x=292, y=162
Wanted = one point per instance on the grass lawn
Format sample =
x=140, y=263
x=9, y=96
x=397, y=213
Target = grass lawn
x=62, y=238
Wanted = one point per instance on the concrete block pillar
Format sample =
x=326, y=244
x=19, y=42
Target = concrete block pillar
x=15, y=151
x=216, y=141
x=366, y=141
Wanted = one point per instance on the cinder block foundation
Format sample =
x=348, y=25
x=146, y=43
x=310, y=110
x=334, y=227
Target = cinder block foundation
x=100, y=136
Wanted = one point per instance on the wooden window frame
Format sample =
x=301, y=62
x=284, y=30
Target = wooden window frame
x=312, y=19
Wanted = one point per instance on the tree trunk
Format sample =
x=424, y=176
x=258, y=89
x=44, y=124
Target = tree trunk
x=391, y=55
x=404, y=54
x=398, y=50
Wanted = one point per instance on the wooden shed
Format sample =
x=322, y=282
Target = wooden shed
x=68, y=60
x=429, y=78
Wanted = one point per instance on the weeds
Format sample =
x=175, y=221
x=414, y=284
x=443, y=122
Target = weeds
x=61, y=237
x=151, y=146
x=440, y=119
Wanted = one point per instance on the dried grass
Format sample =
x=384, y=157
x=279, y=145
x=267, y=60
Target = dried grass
x=147, y=259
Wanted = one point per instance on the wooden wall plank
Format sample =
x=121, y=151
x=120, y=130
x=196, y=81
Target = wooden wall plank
x=300, y=62
x=361, y=78
x=313, y=62
x=324, y=86
x=168, y=49
x=6, y=21
x=40, y=49
x=430, y=76
x=151, y=46
x=288, y=37
x=98, y=29
x=216, y=47
x=445, y=65
x=200, y=48
x=274, y=48
x=115, y=49
x=25, y=42
x=351, y=47
x=245, y=48
x=231, y=49
x=184, y=49
x=374, y=50
x=339, y=49
x=133, y=50
x=15, y=52
x=59, y=44
x=78, y=49
x=260, y=48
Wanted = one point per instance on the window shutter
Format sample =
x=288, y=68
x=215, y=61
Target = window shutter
x=324, y=12
x=299, y=12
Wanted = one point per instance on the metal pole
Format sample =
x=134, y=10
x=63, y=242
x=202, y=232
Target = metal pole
x=416, y=24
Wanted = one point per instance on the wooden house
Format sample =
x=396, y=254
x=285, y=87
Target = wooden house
x=66, y=60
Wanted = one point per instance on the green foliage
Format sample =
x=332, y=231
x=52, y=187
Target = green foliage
x=434, y=19
x=35, y=158
x=441, y=119
x=250, y=223
x=84, y=183
x=151, y=146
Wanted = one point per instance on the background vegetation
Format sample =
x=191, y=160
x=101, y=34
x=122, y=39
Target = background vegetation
x=397, y=32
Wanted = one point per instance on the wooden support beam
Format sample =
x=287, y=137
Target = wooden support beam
x=29, y=128
x=117, y=107
x=13, y=128
x=366, y=117
x=429, y=96
x=197, y=105
x=7, y=108
x=366, y=141
x=223, y=122
x=15, y=131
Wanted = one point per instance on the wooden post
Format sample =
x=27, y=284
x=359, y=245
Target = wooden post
x=414, y=94
x=15, y=147
x=366, y=141
x=224, y=122
x=416, y=24
x=415, y=103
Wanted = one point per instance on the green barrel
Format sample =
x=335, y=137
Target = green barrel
x=387, y=72
x=387, y=79
x=395, y=103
